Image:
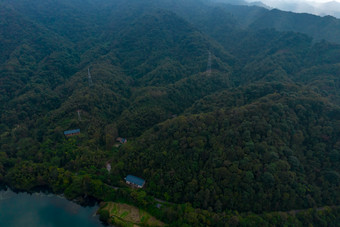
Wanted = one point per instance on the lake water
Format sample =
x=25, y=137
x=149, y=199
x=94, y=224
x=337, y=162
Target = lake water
x=43, y=210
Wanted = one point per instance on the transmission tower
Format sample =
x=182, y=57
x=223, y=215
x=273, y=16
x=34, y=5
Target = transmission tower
x=89, y=76
x=79, y=117
x=209, y=64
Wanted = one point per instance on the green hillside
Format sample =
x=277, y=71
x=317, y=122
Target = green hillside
x=254, y=145
x=231, y=117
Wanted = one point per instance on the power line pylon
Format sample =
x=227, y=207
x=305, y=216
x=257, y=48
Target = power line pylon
x=89, y=77
x=209, y=64
x=79, y=117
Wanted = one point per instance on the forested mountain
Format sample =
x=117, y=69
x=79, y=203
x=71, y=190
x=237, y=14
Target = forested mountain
x=257, y=18
x=231, y=113
x=262, y=140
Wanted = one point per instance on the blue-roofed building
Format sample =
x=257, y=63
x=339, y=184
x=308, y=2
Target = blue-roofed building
x=72, y=132
x=134, y=181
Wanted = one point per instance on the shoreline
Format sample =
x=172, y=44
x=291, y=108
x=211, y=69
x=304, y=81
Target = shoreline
x=87, y=201
x=39, y=201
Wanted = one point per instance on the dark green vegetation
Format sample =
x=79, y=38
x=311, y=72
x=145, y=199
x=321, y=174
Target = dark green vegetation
x=255, y=142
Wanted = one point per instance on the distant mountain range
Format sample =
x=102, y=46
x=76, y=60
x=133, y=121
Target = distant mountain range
x=243, y=2
x=331, y=8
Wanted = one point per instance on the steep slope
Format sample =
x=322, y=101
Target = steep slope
x=135, y=57
x=32, y=55
x=63, y=17
x=163, y=54
x=257, y=156
x=158, y=38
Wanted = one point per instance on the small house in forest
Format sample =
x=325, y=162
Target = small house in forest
x=121, y=140
x=72, y=132
x=134, y=181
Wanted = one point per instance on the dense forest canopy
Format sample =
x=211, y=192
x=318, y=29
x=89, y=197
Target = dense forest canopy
x=255, y=136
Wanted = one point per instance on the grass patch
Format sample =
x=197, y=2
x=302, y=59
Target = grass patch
x=124, y=214
x=127, y=215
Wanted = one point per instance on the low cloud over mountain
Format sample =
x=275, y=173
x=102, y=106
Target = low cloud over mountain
x=317, y=7
x=321, y=8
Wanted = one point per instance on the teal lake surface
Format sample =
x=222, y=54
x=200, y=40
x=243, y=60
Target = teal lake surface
x=43, y=210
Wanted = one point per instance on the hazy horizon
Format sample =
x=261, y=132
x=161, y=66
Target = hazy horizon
x=317, y=7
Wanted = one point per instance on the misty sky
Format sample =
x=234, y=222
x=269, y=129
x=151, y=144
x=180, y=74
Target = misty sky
x=296, y=1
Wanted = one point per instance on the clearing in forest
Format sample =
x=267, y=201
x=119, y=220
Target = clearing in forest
x=127, y=215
